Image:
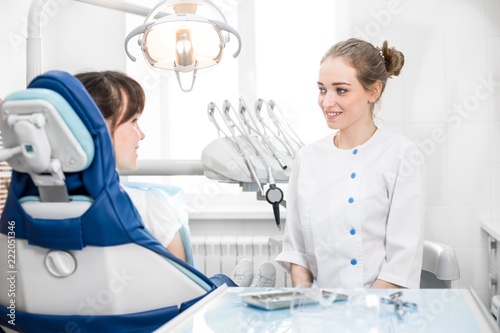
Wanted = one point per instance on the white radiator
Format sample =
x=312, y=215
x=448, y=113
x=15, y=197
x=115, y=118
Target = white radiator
x=220, y=254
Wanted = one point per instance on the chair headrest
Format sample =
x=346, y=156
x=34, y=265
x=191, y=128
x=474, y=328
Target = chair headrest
x=101, y=171
x=46, y=129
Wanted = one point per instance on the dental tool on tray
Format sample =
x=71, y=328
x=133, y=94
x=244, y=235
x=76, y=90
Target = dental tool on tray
x=253, y=143
x=274, y=195
x=237, y=140
x=282, y=131
x=244, y=110
x=258, y=150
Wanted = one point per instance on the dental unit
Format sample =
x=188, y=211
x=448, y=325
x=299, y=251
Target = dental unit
x=255, y=159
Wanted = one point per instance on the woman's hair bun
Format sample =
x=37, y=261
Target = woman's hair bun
x=394, y=59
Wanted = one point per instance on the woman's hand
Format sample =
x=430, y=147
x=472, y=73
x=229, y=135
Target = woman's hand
x=381, y=284
x=176, y=246
x=301, y=276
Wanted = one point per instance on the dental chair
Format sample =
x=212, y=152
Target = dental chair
x=439, y=266
x=74, y=254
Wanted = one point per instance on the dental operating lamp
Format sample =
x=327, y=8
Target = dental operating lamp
x=190, y=35
x=179, y=36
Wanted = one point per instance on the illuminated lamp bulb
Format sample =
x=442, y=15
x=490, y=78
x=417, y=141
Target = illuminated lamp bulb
x=184, y=53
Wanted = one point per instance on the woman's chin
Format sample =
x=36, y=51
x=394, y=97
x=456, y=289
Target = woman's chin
x=331, y=124
x=128, y=167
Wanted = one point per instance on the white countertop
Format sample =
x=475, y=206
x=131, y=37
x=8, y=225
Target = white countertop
x=492, y=227
x=438, y=310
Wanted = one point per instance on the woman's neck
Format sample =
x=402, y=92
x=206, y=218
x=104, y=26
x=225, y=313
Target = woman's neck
x=349, y=138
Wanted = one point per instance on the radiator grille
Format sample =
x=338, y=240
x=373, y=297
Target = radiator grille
x=220, y=254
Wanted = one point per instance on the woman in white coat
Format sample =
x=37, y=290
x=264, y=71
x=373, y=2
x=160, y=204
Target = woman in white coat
x=356, y=199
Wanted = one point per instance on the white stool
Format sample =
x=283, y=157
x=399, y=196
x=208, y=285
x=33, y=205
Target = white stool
x=439, y=266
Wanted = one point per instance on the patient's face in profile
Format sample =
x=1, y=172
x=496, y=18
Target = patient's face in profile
x=126, y=139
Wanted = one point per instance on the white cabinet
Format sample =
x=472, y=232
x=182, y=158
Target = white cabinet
x=492, y=228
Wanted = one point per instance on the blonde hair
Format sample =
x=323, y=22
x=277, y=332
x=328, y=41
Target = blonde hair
x=371, y=63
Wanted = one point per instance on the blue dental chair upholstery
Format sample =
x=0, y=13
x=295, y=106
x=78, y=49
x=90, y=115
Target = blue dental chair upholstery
x=83, y=261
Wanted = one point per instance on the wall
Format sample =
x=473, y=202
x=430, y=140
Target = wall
x=91, y=39
x=446, y=99
x=12, y=45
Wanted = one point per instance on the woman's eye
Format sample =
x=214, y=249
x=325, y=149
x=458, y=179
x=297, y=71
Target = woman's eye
x=341, y=91
x=322, y=90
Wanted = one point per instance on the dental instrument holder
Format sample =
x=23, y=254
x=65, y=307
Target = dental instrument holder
x=252, y=126
x=282, y=130
x=249, y=146
x=274, y=196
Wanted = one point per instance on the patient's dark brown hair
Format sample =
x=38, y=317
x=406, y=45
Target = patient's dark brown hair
x=118, y=96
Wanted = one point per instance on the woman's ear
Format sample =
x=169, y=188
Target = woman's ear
x=375, y=91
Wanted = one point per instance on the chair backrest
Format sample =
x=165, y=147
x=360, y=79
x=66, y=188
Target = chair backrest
x=439, y=267
x=83, y=259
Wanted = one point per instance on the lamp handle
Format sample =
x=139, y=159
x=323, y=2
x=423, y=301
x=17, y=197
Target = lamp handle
x=226, y=27
x=180, y=83
x=137, y=31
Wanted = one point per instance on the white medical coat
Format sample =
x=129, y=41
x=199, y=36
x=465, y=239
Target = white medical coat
x=357, y=215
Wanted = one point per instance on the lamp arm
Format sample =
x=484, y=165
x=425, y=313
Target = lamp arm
x=226, y=27
x=217, y=9
x=34, y=40
x=137, y=31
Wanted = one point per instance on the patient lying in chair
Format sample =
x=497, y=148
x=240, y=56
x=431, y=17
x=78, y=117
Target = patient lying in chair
x=121, y=100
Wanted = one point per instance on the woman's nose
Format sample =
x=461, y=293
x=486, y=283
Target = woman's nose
x=329, y=100
x=141, y=134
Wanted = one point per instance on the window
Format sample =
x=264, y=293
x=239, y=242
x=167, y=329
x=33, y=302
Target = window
x=278, y=60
